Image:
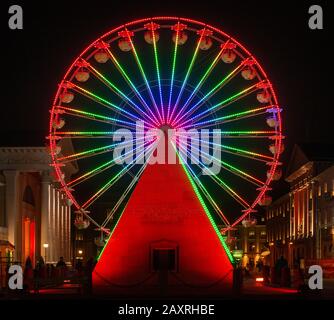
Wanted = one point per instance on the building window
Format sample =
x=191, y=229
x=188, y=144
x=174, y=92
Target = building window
x=28, y=196
x=251, y=247
x=251, y=234
x=79, y=236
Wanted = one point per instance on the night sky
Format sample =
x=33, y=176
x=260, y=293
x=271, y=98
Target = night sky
x=297, y=60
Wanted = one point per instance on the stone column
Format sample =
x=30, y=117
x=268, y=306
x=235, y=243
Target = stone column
x=12, y=210
x=56, y=238
x=52, y=223
x=45, y=235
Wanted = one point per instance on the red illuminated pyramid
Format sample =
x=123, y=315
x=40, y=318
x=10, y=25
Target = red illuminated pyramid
x=163, y=238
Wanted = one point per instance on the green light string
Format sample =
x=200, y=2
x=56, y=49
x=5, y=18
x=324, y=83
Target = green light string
x=104, y=102
x=144, y=76
x=238, y=115
x=132, y=86
x=119, y=218
x=120, y=93
x=158, y=72
x=221, y=104
x=104, y=166
x=111, y=233
x=97, y=116
x=200, y=83
x=223, y=185
x=114, y=179
x=207, y=194
x=173, y=73
x=187, y=75
x=231, y=167
x=208, y=214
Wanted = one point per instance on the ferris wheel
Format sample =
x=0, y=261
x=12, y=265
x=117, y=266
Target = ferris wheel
x=175, y=72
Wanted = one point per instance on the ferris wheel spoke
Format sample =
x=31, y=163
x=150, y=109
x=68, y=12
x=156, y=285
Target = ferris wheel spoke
x=220, y=105
x=131, y=85
x=140, y=66
x=84, y=134
x=246, y=154
x=201, y=82
x=122, y=95
x=221, y=183
x=123, y=197
x=230, y=118
x=181, y=115
x=96, y=117
x=96, y=151
x=103, y=167
x=246, y=134
x=156, y=59
x=171, y=87
x=111, y=182
x=185, y=80
x=227, y=166
x=205, y=192
x=111, y=106
x=240, y=152
x=90, y=218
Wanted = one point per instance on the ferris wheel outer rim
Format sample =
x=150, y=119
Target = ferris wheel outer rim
x=278, y=140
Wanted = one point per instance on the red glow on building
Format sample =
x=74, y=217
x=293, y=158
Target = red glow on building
x=163, y=241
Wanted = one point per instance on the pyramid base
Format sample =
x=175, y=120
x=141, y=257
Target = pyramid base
x=159, y=286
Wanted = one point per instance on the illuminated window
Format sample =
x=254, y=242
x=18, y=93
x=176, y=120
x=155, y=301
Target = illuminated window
x=79, y=236
x=251, y=233
x=325, y=187
x=251, y=247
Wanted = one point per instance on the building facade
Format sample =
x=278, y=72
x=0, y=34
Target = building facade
x=300, y=224
x=248, y=244
x=35, y=216
x=278, y=229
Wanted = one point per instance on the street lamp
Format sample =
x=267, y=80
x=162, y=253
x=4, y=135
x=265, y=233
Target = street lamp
x=80, y=252
x=45, y=245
